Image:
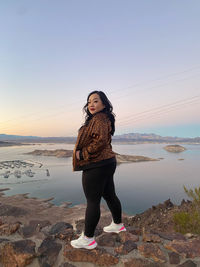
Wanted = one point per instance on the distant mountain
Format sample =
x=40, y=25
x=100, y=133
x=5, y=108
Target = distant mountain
x=35, y=139
x=16, y=137
x=138, y=137
x=123, y=138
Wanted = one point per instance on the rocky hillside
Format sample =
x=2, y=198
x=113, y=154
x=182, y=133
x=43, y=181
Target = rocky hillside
x=35, y=233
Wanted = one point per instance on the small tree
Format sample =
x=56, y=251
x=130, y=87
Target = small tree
x=189, y=221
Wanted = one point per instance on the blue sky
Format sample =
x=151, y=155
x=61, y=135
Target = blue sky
x=143, y=54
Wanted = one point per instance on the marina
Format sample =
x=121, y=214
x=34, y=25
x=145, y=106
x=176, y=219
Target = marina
x=16, y=165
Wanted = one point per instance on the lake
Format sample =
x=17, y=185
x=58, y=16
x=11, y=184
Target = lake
x=138, y=185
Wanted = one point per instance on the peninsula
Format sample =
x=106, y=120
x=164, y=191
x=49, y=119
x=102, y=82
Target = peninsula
x=64, y=153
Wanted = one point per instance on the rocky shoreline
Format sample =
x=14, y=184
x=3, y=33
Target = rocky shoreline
x=34, y=232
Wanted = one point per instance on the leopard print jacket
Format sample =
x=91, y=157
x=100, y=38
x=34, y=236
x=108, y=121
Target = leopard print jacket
x=94, y=142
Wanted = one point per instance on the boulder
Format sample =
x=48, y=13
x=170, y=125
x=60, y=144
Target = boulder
x=139, y=262
x=125, y=236
x=18, y=254
x=174, y=258
x=188, y=249
x=126, y=247
x=66, y=264
x=98, y=256
x=33, y=227
x=9, y=228
x=107, y=239
x=147, y=237
x=62, y=230
x=153, y=251
x=48, y=251
x=59, y=227
x=170, y=236
x=187, y=263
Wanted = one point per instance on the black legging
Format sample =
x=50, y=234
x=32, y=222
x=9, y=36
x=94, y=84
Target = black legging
x=98, y=182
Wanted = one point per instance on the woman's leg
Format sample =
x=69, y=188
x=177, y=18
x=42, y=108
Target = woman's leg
x=93, y=181
x=110, y=196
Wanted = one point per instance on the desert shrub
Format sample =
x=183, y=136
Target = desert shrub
x=189, y=222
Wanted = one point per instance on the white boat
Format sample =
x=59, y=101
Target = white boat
x=18, y=174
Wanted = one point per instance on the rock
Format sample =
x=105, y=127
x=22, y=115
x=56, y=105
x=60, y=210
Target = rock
x=153, y=251
x=174, y=148
x=58, y=227
x=66, y=264
x=96, y=256
x=9, y=229
x=190, y=235
x=39, y=224
x=174, y=258
x=125, y=236
x=33, y=227
x=27, y=231
x=3, y=240
x=187, y=263
x=8, y=210
x=188, y=249
x=170, y=236
x=48, y=251
x=107, y=239
x=67, y=235
x=126, y=247
x=62, y=230
x=146, y=237
x=18, y=254
x=139, y=262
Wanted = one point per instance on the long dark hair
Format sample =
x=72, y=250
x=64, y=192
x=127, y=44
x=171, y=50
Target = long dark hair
x=108, y=109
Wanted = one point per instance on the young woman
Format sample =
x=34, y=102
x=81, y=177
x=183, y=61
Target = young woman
x=93, y=155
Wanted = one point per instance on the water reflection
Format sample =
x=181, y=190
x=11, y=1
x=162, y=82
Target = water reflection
x=138, y=185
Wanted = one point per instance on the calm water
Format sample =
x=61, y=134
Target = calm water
x=138, y=185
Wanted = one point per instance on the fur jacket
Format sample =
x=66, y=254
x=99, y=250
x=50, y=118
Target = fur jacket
x=94, y=143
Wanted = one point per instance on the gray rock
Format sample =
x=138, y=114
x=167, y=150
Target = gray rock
x=174, y=258
x=126, y=247
x=66, y=264
x=107, y=239
x=187, y=263
x=59, y=227
x=19, y=253
x=48, y=252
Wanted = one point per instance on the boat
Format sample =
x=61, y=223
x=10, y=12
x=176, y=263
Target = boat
x=18, y=174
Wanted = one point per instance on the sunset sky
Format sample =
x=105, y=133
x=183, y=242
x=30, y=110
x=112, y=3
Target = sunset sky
x=145, y=55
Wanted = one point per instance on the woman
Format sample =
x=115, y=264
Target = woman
x=94, y=156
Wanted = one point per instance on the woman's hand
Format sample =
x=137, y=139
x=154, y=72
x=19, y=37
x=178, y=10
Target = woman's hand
x=78, y=154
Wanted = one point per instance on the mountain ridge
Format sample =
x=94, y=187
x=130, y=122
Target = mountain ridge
x=124, y=138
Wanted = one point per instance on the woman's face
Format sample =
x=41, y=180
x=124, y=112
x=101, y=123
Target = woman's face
x=95, y=104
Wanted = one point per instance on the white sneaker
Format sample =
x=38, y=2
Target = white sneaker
x=84, y=242
x=114, y=228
